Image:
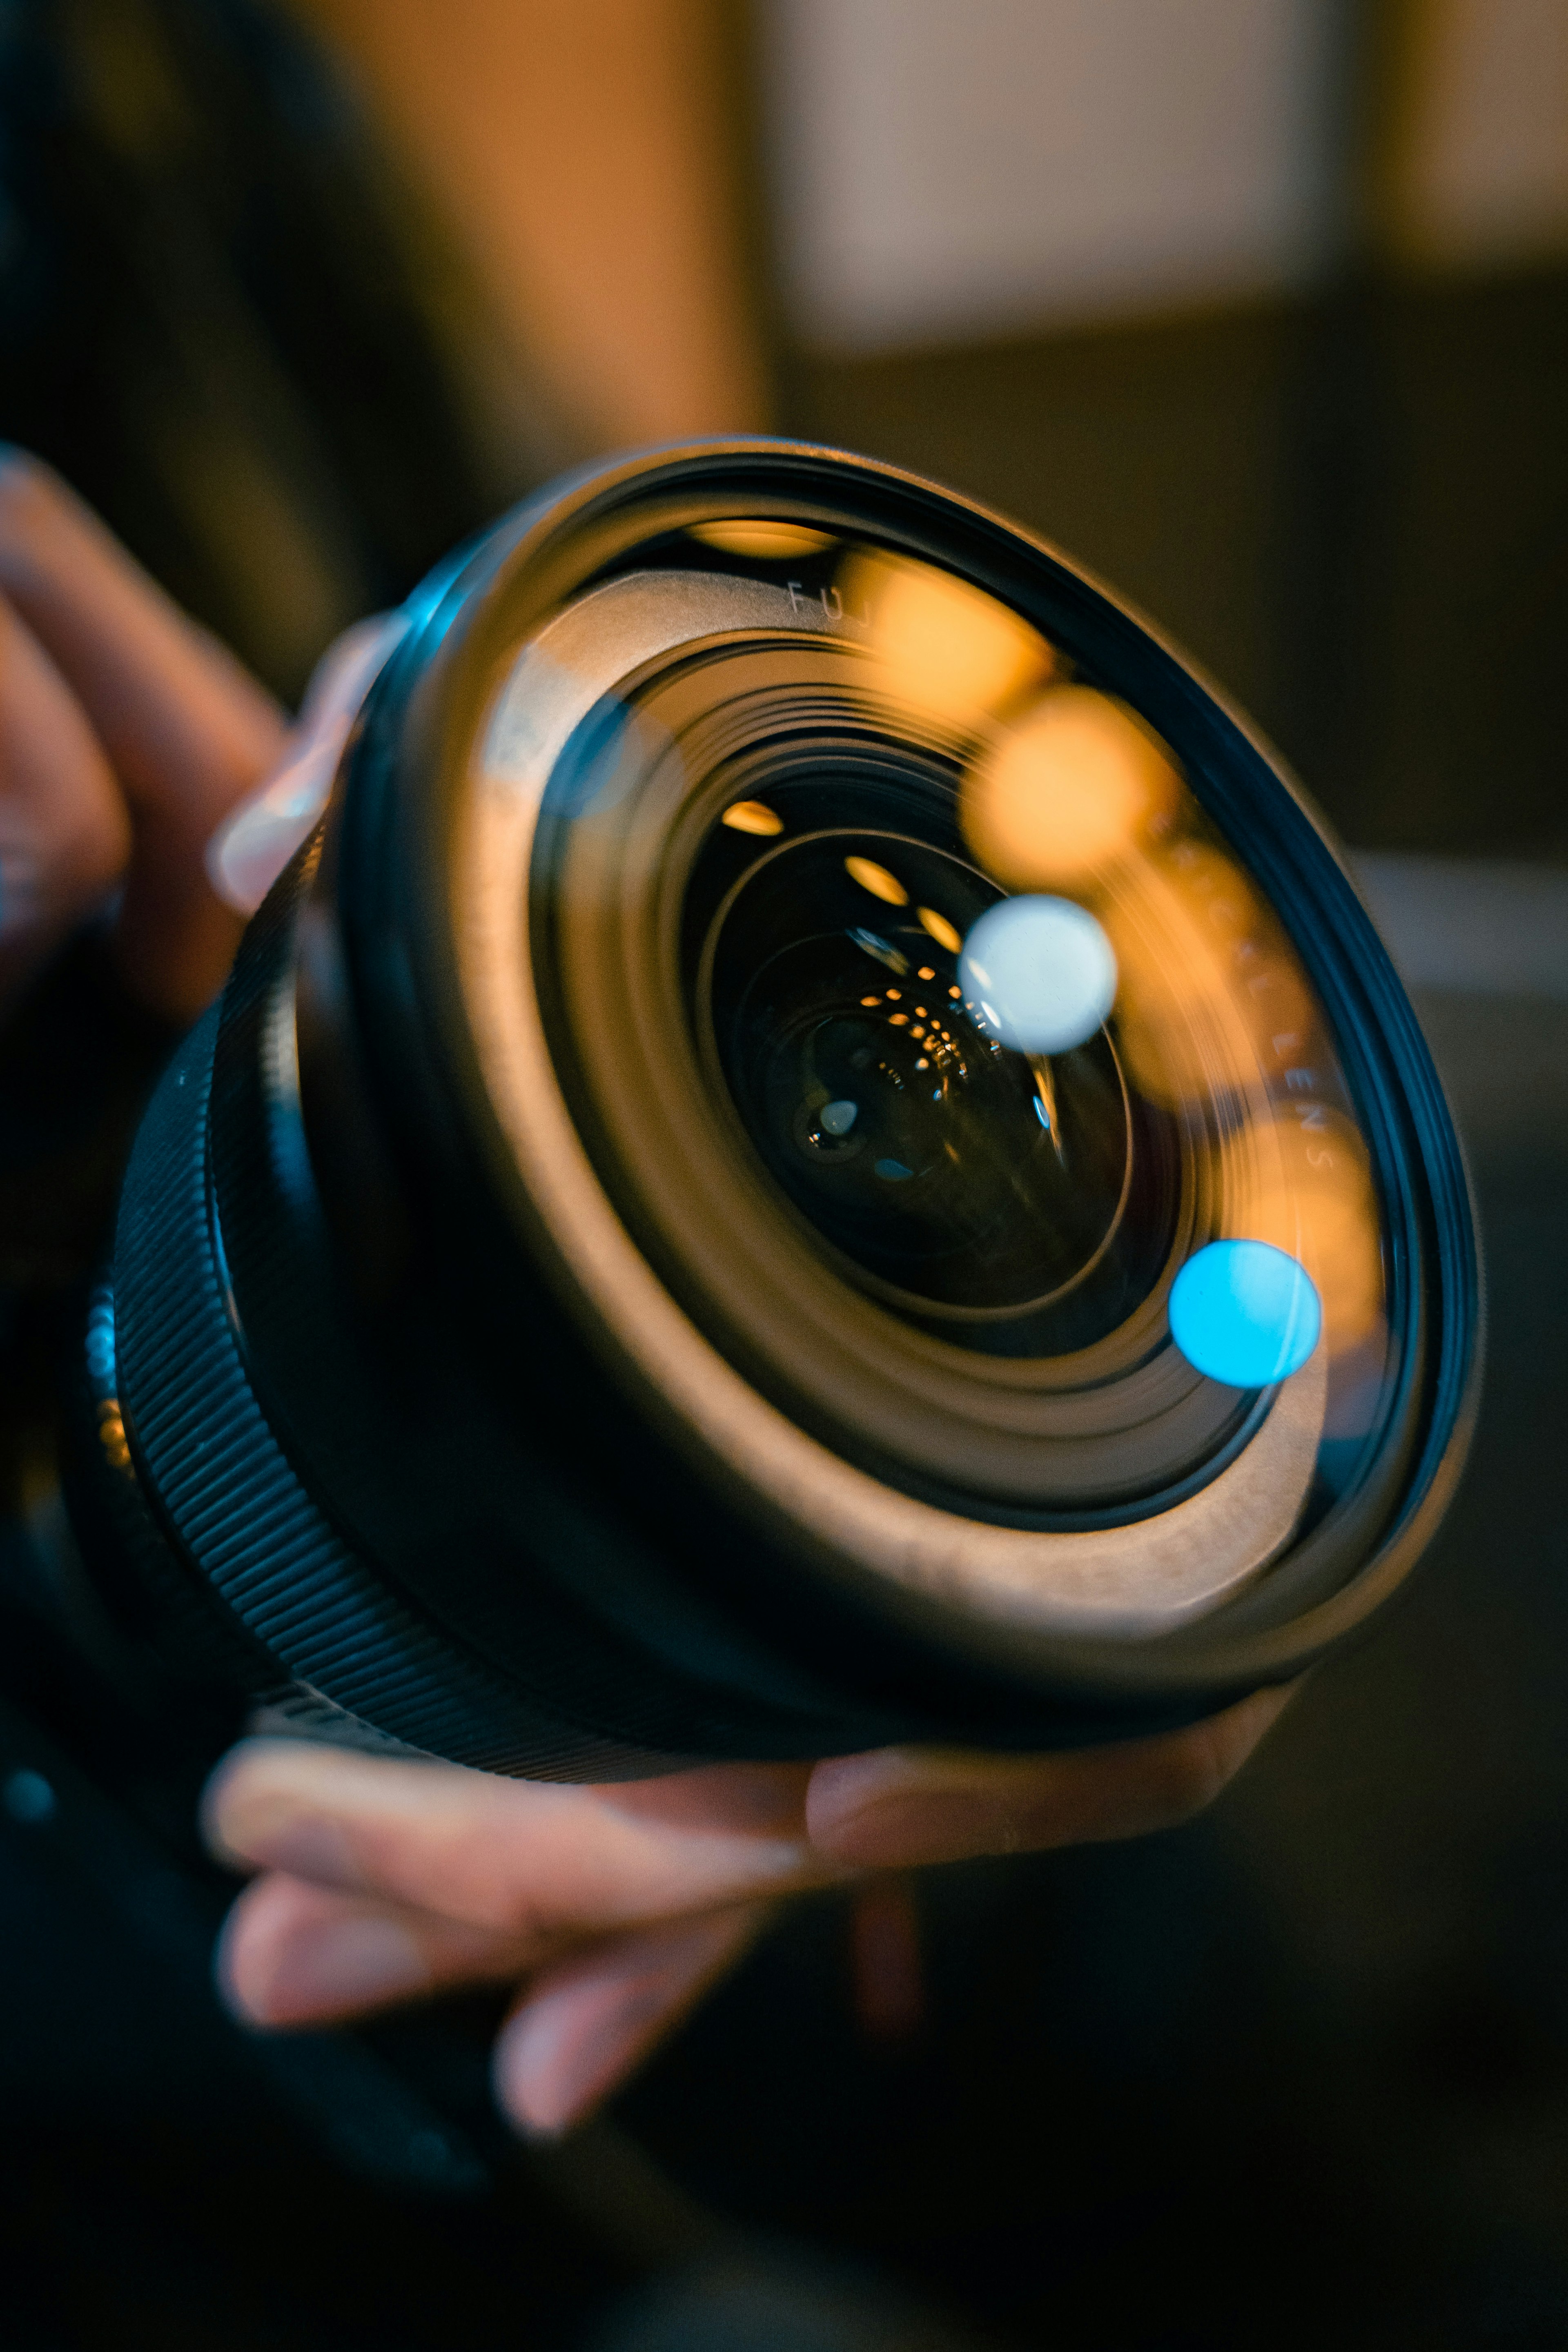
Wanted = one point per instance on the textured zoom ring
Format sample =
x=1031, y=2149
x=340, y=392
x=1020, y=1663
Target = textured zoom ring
x=230, y=1491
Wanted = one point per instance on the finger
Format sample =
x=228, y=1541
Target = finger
x=186, y=730
x=255, y=841
x=64, y=835
x=902, y=1806
x=294, y=1954
x=582, y=2026
x=520, y=1858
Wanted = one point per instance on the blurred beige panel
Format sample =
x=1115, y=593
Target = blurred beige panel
x=583, y=151
x=950, y=170
x=1477, y=175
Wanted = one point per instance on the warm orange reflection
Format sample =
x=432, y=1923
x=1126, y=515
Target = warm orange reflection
x=942, y=931
x=1066, y=790
x=1070, y=791
x=1183, y=1021
x=877, y=880
x=1302, y=1180
x=752, y=816
x=1211, y=992
x=943, y=650
x=765, y=543
x=111, y=1434
x=1215, y=1020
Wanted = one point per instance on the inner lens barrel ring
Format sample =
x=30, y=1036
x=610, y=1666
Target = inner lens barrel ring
x=579, y=554
x=1009, y=1574
x=839, y=841
x=548, y=1340
x=1072, y=1429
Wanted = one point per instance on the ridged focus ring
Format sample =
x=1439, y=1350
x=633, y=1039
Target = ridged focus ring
x=204, y=1446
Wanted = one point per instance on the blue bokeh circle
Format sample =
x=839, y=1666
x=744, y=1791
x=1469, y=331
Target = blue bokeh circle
x=1245, y=1312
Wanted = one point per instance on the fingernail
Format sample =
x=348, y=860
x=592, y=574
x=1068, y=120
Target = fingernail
x=267, y=1829
x=564, y=2051
x=250, y=849
x=340, y=1964
x=256, y=841
x=571, y=2042
x=888, y=1809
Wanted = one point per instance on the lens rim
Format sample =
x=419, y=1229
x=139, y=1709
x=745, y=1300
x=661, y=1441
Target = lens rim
x=917, y=1412
x=413, y=781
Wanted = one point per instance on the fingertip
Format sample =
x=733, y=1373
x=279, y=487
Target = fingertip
x=584, y=2026
x=32, y=499
x=66, y=838
x=275, y=1803
x=230, y=1967
x=246, y=1769
x=254, y=841
x=290, y=1956
x=568, y=2043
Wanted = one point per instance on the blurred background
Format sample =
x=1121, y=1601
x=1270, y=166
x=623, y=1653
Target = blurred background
x=1259, y=309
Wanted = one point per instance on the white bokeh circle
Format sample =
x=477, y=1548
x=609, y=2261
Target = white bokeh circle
x=1039, y=974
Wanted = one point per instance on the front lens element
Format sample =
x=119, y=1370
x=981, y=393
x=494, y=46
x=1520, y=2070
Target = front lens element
x=957, y=1175
x=819, y=1151
x=925, y=1028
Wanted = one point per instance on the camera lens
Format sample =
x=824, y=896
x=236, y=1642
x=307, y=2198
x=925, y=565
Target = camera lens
x=818, y=1149
x=953, y=1177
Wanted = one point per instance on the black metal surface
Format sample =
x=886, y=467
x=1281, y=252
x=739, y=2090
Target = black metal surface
x=1298, y=2071
x=448, y=1440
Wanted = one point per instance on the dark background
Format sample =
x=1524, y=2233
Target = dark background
x=1297, y=2073
x=1354, y=509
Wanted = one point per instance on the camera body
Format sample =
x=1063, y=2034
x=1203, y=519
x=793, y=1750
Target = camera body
x=818, y=1149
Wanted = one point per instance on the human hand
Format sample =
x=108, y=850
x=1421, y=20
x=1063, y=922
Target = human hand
x=126, y=734
x=137, y=757
x=614, y=1908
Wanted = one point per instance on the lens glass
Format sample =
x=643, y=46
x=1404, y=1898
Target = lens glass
x=915, y=1144
x=955, y=1070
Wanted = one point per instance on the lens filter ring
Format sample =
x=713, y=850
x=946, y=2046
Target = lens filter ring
x=1145, y=1574
x=519, y=686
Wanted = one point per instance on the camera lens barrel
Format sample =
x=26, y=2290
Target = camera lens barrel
x=818, y=1149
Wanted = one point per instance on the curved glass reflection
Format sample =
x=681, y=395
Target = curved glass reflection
x=989, y=1020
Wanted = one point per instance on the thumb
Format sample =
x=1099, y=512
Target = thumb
x=255, y=843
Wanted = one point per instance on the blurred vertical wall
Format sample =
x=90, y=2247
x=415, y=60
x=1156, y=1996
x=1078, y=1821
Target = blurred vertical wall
x=951, y=173
x=1259, y=307
x=590, y=155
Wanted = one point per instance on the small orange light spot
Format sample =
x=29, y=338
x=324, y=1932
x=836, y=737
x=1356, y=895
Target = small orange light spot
x=767, y=542
x=916, y=1031
x=895, y=994
x=870, y=999
x=922, y=1063
x=941, y=930
x=751, y=816
x=877, y=880
x=899, y=1019
x=956, y=992
x=927, y=972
